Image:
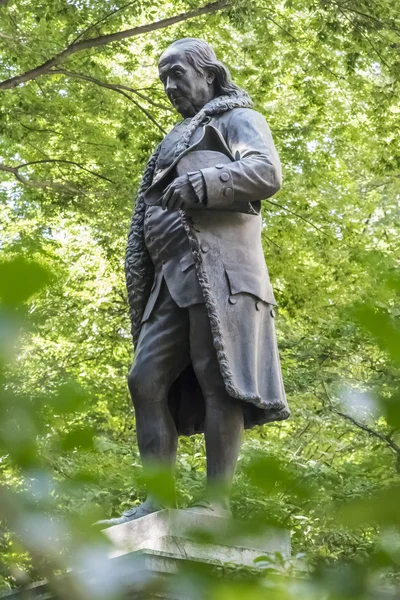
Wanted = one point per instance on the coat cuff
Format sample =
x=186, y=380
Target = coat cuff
x=197, y=182
x=219, y=186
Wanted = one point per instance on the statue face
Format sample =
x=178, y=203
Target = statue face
x=187, y=90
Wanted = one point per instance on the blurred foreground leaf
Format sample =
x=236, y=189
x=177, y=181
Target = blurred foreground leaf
x=274, y=476
x=381, y=508
x=383, y=327
x=20, y=279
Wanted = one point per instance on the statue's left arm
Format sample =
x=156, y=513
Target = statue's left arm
x=256, y=173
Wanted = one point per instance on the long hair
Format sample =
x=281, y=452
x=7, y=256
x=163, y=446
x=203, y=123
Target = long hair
x=203, y=58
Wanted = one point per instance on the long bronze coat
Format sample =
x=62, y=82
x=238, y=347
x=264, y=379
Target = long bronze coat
x=225, y=239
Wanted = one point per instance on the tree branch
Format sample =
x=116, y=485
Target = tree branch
x=103, y=40
x=102, y=20
x=67, y=162
x=386, y=439
x=111, y=86
x=116, y=88
x=264, y=235
x=144, y=110
x=366, y=38
x=42, y=185
x=39, y=130
x=7, y=37
x=296, y=39
x=367, y=16
x=298, y=216
x=49, y=184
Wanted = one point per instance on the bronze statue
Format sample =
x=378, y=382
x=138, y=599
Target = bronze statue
x=202, y=306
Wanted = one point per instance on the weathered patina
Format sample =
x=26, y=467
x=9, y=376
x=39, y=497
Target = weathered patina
x=201, y=301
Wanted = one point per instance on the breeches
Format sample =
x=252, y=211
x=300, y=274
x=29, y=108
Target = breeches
x=169, y=341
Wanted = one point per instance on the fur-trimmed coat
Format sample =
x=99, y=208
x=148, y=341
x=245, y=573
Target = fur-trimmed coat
x=225, y=239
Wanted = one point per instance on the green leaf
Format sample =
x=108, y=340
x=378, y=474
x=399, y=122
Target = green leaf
x=20, y=279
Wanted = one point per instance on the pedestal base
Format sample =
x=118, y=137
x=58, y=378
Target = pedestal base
x=170, y=536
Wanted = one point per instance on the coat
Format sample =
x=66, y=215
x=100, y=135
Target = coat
x=225, y=240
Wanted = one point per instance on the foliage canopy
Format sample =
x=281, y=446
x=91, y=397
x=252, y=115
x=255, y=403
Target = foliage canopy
x=81, y=110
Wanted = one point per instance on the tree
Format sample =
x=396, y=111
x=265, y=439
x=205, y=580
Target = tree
x=81, y=111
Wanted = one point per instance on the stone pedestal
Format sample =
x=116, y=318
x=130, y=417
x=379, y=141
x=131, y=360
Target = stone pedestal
x=169, y=537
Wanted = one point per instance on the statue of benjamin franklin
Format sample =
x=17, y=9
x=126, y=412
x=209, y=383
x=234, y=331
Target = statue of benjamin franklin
x=201, y=302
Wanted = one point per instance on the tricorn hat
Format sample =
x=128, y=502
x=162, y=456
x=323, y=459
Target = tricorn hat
x=196, y=157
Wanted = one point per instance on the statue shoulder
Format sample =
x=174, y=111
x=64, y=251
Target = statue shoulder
x=246, y=122
x=245, y=114
x=239, y=118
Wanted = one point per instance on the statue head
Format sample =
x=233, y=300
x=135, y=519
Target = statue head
x=192, y=76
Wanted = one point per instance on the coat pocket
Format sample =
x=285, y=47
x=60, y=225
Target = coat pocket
x=155, y=290
x=186, y=262
x=249, y=280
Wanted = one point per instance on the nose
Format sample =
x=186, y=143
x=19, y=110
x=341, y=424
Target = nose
x=170, y=85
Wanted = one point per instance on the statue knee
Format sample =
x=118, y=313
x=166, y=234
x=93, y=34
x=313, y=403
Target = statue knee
x=132, y=377
x=135, y=385
x=143, y=387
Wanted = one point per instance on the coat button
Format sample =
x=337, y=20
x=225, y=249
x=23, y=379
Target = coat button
x=232, y=300
x=258, y=305
x=228, y=192
x=224, y=176
x=205, y=247
x=219, y=166
x=272, y=313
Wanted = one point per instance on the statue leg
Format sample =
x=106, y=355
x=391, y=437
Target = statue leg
x=224, y=414
x=162, y=353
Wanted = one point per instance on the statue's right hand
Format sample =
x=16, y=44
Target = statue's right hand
x=179, y=194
